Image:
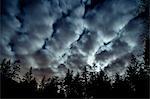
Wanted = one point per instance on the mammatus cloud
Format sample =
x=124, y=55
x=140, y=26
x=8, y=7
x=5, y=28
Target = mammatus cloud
x=53, y=35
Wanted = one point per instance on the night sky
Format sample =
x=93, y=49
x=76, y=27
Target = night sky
x=55, y=35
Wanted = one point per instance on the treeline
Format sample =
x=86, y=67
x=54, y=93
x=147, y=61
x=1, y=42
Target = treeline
x=86, y=84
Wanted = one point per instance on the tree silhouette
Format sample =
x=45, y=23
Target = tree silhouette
x=103, y=85
x=68, y=83
x=77, y=86
x=51, y=88
x=121, y=87
x=138, y=77
x=142, y=83
x=85, y=81
x=9, y=69
x=28, y=77
x=86, y=84
x=28, y=84
x=61, y=89
x=146, y=54
x=42, y=83
x=132, y=70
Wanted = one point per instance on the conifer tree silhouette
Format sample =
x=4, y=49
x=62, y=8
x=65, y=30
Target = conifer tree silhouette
x=9, y=69
x=68, y=83
x=42, y=83
x=103, y=85
x=29, y=84
x=144, y=72
x=85, y=81
x=121, y=87
x=77, y=86
x=28, y=77
x=51, y=88
x=138, y=78
x=9, y=72
x=146, y=54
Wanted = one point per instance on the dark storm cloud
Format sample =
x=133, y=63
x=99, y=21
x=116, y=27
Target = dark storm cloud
x=61, y=69
x=8, y=26
x=9, y=8
x=118, y=48
x=42, y=58
x=128, y=42
x=41, y=72
x=76, y=61
x=118, y=65
x=111, y=16
x=62, y=34
x=83, y=48
x=103, y=55
x=88, y=42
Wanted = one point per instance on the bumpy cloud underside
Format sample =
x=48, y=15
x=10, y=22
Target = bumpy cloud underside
x=54, y=35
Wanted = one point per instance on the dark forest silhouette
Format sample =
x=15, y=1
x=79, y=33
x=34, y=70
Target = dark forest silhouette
x=87, y=84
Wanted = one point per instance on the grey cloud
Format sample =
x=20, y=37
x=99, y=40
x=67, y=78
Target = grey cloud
x=41, y=72
x=9, y=8
x=49, y=33
x=118, y=48
x=8, y=25
x=109, y=18
x=133, y=31
x=24, y=44
x=76, y=61
x=42, y=59
x=88, y=42
x=62, y=69
x=63, y=37
x=118, y=65
x=104, y=55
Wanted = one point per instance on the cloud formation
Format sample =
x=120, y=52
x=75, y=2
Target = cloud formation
x=61, y=34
